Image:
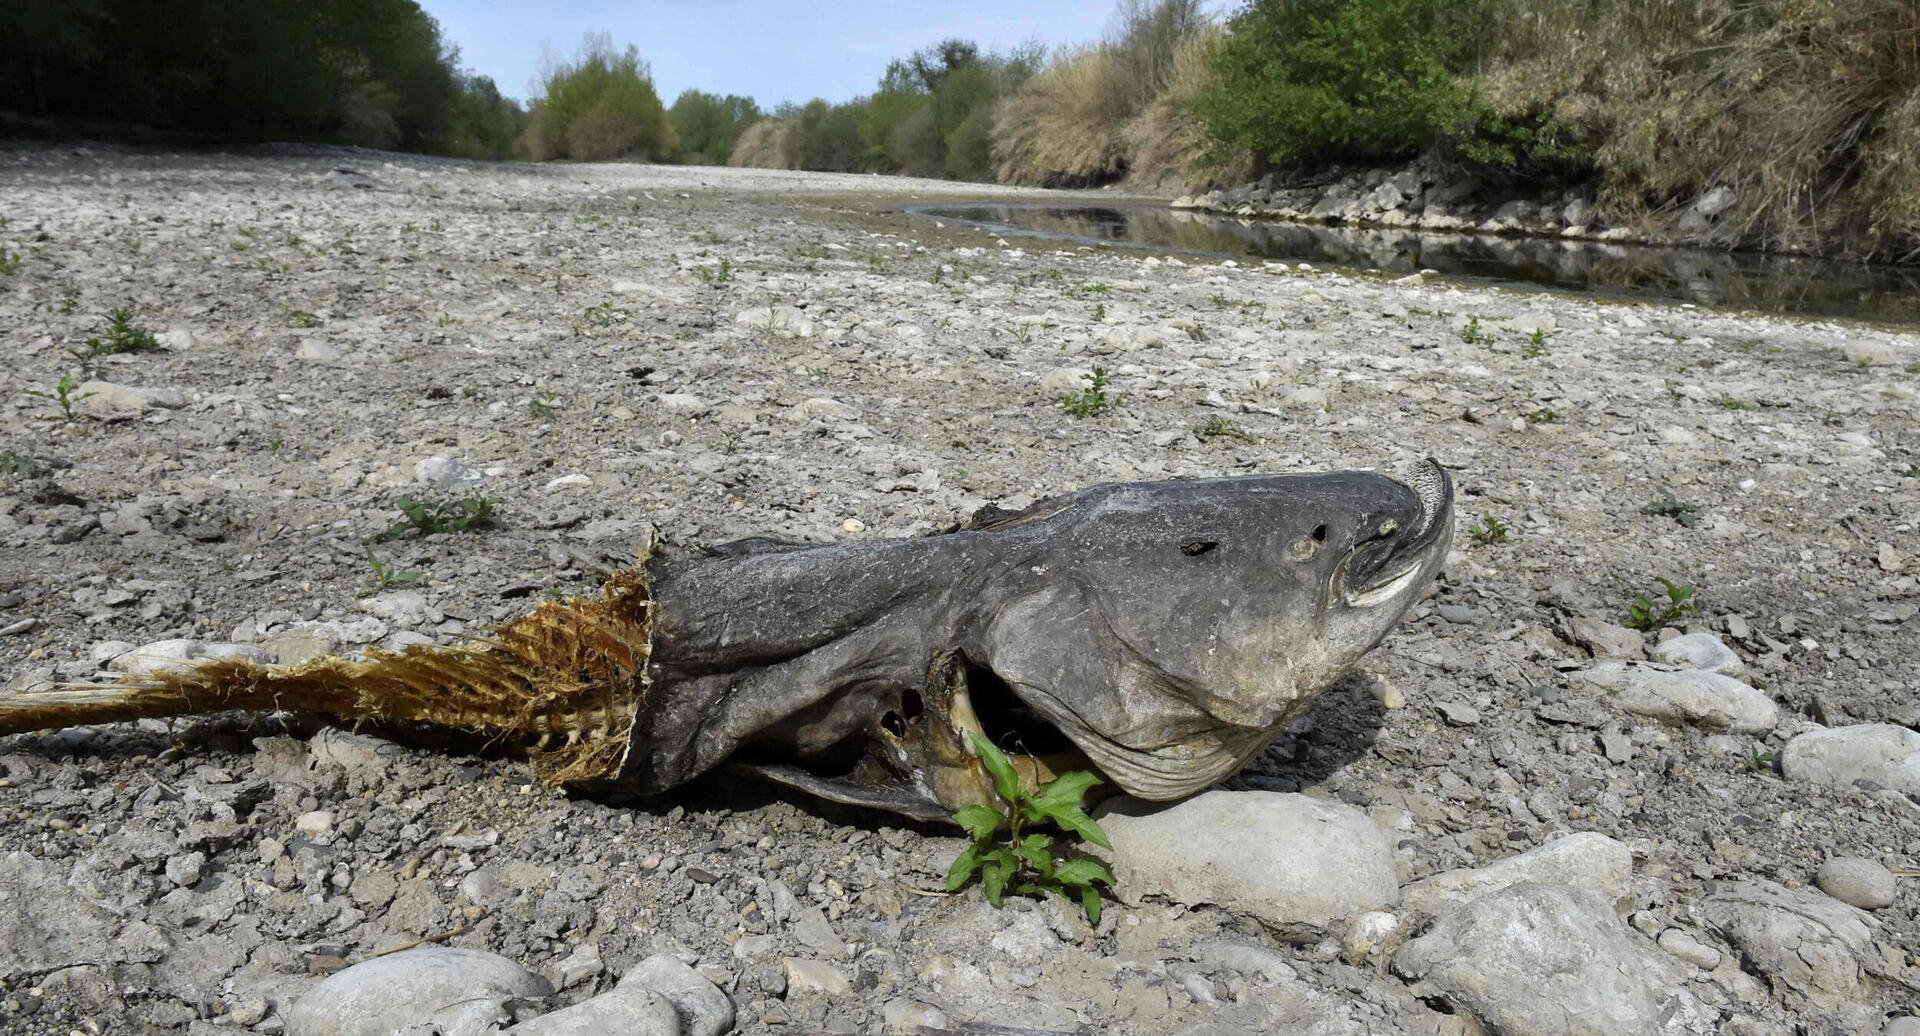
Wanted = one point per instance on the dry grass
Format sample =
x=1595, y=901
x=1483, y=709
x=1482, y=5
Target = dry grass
x=1064, y=126
x=763, y=145
x=1809, y=110
x=1166, y=142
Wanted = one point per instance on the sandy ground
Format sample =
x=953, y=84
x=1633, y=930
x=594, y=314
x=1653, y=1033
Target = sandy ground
x=725, y=353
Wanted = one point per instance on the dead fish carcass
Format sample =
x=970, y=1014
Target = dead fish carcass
x=1162, y=632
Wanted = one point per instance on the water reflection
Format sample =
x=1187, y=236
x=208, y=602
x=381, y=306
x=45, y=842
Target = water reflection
x=1770, y=283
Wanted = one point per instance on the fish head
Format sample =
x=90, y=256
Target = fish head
x=1168, y=632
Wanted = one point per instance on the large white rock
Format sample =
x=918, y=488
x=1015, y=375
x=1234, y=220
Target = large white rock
x=703, y=1009
x=461, y=991
x=1588, y=859
x=1547, y=960
x=1879, y=752
x=110, y=402
x=1288, y=859
x=628, y=1010
x=1693, y=696
x=1811, y=943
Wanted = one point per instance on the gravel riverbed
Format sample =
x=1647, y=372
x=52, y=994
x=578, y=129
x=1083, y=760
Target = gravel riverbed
x=1706, y=827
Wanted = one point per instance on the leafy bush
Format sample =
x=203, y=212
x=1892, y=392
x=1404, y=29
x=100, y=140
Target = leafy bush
x=600, y=105
x=708, y=125
x=1306, y=80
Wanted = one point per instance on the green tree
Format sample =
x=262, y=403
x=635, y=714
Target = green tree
x=708, y=125
x=600, y=105
x=1306, y=80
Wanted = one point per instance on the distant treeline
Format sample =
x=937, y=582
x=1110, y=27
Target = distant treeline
x=372, y=72
x=1806, y=111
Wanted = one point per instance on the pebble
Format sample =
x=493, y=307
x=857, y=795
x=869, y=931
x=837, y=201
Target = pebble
x=1856, y=882
x=1285, y=858
x=1458, y=714
x=1699, y=651
x=905, y=1017
x=815, y=977
x=186, y=869
x=317, y=822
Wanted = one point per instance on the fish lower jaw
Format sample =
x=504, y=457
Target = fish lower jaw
x=1381, y=593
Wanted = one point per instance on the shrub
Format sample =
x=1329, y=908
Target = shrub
x=1167, y=141
x=1063, y=128
x=1307, y=80
x=601, y=105
x=762, y=145
x=709, y=125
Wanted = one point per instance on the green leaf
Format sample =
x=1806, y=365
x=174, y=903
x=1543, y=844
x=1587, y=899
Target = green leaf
x=1090, y=900
x=1075, y=820
x=1033, y=849
x=980, y=822
x=1084, y=870
x=963, y=867
x=1065, y=790
x=1000, y=866
x=1004, y=779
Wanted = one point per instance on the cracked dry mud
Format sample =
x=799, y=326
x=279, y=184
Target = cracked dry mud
x=600, y=350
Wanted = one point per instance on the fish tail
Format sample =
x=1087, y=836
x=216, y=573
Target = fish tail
x=565, y=683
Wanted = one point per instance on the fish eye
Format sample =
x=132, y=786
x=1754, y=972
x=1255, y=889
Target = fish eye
x=1195, y=548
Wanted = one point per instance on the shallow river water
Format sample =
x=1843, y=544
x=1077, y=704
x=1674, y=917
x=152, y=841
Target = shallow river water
x=1726, y=280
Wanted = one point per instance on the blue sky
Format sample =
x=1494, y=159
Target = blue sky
x=767, y=49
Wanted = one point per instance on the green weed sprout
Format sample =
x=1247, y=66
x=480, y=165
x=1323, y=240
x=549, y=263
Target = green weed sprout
x=62, y=395
x=1093, y=400
x=1647, y=614
x=1023, y=860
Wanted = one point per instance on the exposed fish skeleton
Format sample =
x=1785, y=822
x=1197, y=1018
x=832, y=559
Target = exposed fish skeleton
x=1162, y=632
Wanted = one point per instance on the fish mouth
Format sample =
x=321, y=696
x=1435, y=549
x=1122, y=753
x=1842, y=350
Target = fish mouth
x=1403, y=549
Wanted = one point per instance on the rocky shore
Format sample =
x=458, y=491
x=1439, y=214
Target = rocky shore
x=1707, y=824
x=1424, y=195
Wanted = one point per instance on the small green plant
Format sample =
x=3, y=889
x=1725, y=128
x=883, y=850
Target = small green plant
x=1759, y=760
x=1536, y=344
x=1093, y=400
x=9, y=262
x=718, y=275
x=1670, y=506
x=873, y=264
x=69, y=300
x=121, y=336
x=62, y=395
x=606, y=314
x=1221, y=428
x=302, y=318
x=424, y=518
x=1543, y=415
x=386, y=578
x=1647, y=614
x=1472, y=335
x=1029, y=863
x=545, y=408
x=1491, y=529
x=1099, y=312
x=936, y=276
x=1729, y=403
